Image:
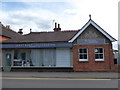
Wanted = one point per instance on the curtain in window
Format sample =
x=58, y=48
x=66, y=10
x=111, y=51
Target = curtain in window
x=49, y=57
x=36, y=57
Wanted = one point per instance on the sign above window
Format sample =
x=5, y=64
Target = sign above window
x=37, y=45
x=90, y=41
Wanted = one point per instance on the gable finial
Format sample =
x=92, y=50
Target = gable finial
x=90, y=16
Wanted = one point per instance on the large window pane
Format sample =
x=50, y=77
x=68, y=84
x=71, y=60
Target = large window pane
x=100, y=50
x=81, y=57
x=80, y=51
x=85, y=56
x=96, y=56
x=84, y=50
x=101, y=56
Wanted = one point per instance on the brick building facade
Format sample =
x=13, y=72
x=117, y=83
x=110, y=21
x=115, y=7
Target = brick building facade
x=86, y=49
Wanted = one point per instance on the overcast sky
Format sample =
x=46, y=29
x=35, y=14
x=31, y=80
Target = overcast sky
x=71, y=14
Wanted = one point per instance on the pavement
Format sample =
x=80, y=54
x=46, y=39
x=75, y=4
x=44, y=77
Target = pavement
x=71, y=75
x=59, y=79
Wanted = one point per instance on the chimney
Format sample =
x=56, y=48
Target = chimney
x=30, y=30
x=57, y=29
x=55, y=25
x=20, y=31
x=8, y=26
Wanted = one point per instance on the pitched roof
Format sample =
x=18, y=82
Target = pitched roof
x=56, y=36
x=97, y=27
x=36, y=37
x=9, y=33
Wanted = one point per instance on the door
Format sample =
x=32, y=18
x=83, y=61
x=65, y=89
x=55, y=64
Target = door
x=8, y=59
x=7, y=62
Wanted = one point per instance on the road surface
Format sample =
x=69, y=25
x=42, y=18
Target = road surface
x=20, y=82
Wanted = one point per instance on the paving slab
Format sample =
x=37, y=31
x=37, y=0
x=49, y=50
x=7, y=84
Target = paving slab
x=62, y=74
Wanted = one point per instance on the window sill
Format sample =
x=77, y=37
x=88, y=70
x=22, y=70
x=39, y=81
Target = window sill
x=99, y=60
x=83, y=60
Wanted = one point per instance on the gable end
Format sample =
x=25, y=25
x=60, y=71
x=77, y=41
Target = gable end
x=97, y=27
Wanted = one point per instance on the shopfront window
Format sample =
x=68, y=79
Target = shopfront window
x=21, y=59
x=34, y=58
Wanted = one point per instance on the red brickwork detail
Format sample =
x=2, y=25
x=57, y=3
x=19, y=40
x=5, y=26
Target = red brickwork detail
x=92, y=65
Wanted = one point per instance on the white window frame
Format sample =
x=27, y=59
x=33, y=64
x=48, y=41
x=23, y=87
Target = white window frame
x=99, y=53
x=83, y=60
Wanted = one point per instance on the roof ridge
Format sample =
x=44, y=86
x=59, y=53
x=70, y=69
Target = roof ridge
x=52, y=31
x=11, y=30
x=69, y=30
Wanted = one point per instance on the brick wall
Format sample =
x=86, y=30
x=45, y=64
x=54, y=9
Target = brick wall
x=91, y=64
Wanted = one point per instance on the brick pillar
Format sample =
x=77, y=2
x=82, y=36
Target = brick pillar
x=111, y=58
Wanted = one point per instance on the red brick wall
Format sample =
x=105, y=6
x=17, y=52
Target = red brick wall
x=91, y=64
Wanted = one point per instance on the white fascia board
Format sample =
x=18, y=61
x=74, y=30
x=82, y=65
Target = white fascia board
x=103, y=32
x=79, y=32
x=98, y=28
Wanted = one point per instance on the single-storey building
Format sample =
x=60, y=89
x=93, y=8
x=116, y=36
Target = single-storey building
x=86, y=49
